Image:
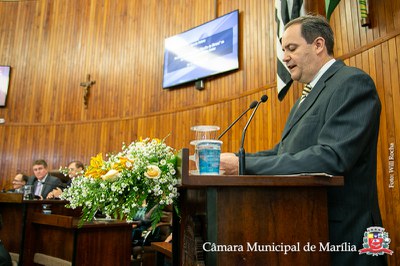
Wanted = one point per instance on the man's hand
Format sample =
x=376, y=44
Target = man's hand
x=229, y=163
x=54, y=194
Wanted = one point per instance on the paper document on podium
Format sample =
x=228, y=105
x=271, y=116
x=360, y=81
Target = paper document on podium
x=309, y=174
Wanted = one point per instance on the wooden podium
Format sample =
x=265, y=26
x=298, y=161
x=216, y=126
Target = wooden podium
x=251, y=220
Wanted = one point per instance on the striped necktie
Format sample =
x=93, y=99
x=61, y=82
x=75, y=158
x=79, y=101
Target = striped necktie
x=306, y=91
x=38, y=189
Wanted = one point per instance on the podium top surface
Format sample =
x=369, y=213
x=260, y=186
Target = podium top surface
x=296, y=180
x=11, y=197
x=260, y=180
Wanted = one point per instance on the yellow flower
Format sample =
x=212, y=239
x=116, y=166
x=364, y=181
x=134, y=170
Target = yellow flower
x=152, y=171
x=95, y=170
x=111, y=175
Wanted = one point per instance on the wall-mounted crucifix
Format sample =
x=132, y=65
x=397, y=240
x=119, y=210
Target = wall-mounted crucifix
x=86, y=89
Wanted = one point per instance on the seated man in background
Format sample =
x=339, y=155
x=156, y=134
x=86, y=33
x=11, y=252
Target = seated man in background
x=42, y=182
x=75, y=168
x=19, y=181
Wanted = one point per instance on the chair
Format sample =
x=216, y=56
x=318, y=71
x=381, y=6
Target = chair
x=59, y=175
x=14, y=258
x=46, y=260
x=142, y=253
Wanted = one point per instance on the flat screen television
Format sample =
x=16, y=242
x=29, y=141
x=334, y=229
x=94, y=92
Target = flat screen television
x=4, y=81
x=201, y=52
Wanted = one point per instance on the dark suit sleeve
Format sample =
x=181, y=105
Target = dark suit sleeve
x=332, y=139
x=51, y=183
x=271, y=152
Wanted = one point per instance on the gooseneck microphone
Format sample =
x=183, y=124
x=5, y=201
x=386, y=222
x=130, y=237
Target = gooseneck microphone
x=242, y=164
x=252, y=105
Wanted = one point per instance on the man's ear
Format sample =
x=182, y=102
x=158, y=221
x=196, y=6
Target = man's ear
x=319, y=44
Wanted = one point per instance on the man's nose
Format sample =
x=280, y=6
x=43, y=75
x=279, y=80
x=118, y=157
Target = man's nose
x=286, y=58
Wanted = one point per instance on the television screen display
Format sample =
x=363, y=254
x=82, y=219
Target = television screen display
x=4, y=80
x=207, y=50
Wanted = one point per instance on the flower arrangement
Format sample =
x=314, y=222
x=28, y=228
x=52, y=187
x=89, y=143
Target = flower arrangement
x=142, y=174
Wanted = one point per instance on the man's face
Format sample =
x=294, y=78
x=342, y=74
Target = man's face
x=39, y=171
x=73, y=171
x=300, y=57
x=18, y=182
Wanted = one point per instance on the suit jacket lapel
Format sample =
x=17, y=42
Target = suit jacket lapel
x=298, y=111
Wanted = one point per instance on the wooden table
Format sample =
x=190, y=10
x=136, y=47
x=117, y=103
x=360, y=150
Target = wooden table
x=26, y=230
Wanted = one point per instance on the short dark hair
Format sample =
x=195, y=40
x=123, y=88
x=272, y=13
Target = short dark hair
x=313, y=26
x=40, y=162
x=78, y=164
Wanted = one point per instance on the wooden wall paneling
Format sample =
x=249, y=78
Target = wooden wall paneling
x=24, y=159
x=11, y=51
x=7, y=35
x=336, y=27
x=386, y=135
x=183, y=130
x=5, y=180
x=394, y=70
x=342, y=32
x=273, y=120
x=389, y=11
x=358, y=30
x=373, y=70
x=395, y=14
x=384, y=13
x=387, y=196
x=230, y=112
x=263, y=72
x=394, y=191
x=365, y=61
x=72, y=69
x=259, y=127
x=253, y=47
x=349, y=21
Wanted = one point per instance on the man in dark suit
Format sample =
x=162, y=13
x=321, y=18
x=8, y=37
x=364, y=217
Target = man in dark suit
x=75, y=169
x=42, y=182
x=332, y=128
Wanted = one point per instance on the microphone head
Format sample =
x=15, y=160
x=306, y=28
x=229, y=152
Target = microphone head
x=253, y=104
x=264, y=98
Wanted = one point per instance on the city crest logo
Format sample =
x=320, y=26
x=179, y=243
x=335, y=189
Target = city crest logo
x=375, y=242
